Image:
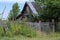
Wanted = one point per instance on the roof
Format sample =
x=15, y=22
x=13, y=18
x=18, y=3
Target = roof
x=33, y=7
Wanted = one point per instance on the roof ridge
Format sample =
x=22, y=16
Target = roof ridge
x=31, y=6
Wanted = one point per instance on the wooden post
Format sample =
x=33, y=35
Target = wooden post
x=40, y=25
x=53, y=25
x=5, y=27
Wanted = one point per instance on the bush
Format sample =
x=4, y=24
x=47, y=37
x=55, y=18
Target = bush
x=1, y=31
x=58, y=27
x=14, y=28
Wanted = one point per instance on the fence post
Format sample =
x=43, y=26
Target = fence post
x=53, y=25
x=5, y=27
x=40, y=25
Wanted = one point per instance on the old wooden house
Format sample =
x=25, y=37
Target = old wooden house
x=30, y=8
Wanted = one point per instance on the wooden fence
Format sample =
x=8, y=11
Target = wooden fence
x=41, y=26
x=4, y=25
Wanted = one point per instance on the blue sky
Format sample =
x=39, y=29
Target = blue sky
x=8, y=4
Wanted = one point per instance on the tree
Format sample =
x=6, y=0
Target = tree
x=14, y=12
x=10, y=15
x=50, y=10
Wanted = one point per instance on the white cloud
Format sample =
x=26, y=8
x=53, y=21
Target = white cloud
x=15, y=0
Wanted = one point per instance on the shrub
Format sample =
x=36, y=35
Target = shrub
x=58, y=27
x=14, y=28
x=1, y=31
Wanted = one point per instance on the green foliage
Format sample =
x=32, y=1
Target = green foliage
x=1, y=31
x=50, y=9
x=20, y=29
x=14, y=11
x=14, y=28
x=10, y=15
x=31, y=18
x=53, y=36
x=58, y=27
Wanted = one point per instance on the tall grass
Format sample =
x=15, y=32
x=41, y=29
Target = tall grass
x=14, y=28
x=1, y=31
